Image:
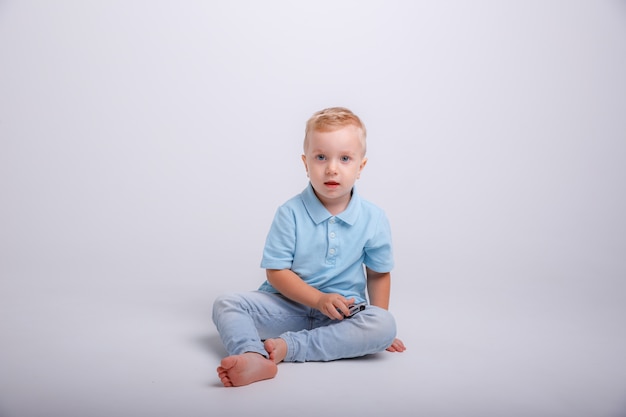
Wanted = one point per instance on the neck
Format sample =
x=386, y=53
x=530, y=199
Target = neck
x=335, y=207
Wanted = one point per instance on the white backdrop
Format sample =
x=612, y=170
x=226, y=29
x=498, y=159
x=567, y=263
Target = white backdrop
x=144, y=146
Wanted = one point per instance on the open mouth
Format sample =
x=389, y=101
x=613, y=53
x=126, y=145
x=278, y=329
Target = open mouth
x=331, y=184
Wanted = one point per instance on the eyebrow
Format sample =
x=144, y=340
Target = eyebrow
x=344, y=152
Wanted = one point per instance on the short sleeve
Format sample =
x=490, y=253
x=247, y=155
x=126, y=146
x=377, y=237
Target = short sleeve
x=279, y=249
x=379, y=249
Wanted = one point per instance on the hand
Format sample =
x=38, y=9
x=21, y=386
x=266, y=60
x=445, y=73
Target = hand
x=328, y=304
x=396, y=346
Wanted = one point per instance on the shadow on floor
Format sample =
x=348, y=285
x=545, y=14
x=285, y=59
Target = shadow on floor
x=211, y=343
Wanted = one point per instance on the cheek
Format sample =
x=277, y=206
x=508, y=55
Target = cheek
x=315, y=169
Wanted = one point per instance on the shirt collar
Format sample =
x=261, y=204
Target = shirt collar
x=319, y=213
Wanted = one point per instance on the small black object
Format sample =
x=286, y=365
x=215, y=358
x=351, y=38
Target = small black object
x=355, y=308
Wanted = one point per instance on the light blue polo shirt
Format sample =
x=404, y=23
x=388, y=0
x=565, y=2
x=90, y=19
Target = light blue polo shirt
x=328, y=252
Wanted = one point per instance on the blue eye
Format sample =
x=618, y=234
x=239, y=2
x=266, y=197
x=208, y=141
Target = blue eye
x=345, y=159
x=320, y=157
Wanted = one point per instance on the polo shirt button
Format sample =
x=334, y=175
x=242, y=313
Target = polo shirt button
x=332, y=235
x=332, y=220
x=332, y=251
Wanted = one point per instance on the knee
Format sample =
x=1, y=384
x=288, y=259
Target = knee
x=384, y=324
x=225, y=302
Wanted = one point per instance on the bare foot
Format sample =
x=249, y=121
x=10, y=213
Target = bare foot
x=277, y=349
x=244, y=369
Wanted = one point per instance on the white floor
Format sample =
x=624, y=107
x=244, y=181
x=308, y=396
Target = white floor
x=75, y=349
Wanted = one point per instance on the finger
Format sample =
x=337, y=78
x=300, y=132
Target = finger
x=343, y=311
x=334, y=313
x=341, y=307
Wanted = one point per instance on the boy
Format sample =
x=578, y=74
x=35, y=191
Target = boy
x=314, y=257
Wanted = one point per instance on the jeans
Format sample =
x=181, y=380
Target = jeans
x=244, y=320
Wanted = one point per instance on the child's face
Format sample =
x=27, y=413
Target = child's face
x=333, y=162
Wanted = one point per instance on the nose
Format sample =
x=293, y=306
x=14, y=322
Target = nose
x=331, y=168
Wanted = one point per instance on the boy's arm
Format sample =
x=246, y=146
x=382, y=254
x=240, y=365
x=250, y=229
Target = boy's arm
x=379, y=289
x=289, y=284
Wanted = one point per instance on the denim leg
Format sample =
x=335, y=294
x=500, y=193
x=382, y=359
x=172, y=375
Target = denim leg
x=370, y=331
x=243, y=320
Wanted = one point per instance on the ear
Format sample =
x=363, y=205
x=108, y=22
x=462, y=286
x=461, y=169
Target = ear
x=306, y=167
x=363, y=163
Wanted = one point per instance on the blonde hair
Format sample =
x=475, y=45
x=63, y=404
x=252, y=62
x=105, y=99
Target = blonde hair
x=334, y=118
